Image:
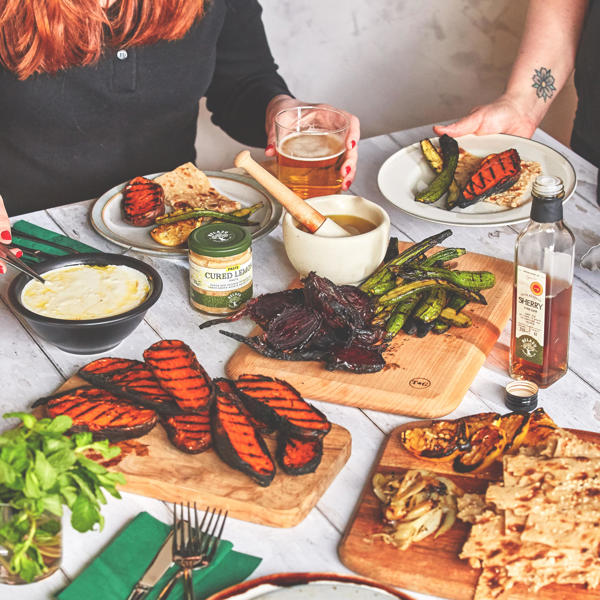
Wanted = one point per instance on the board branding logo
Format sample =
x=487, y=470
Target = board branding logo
x=419, y=383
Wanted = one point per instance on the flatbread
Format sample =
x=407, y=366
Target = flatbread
x=189, y=186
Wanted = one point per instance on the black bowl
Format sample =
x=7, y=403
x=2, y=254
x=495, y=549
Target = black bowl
x=86, y=336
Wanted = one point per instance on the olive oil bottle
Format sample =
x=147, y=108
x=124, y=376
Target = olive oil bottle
x=541, y=315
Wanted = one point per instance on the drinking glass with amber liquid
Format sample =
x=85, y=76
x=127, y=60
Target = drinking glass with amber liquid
x=541, y=316
x=311, y=148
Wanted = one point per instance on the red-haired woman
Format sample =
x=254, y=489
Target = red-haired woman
x=94, y=92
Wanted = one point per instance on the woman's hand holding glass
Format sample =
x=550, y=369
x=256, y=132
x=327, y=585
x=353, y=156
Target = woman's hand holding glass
x=5, y=235
x=283, y=102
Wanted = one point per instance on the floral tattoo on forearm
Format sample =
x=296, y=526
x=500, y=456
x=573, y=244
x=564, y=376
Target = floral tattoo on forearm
x=543, y=82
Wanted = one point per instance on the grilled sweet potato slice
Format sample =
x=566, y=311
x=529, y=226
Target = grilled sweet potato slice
x=177, y=370
x=143, y=201
x=131, y=379
x=496, y=173
x=189, y=432
x=104, y=414
x=278, y=404
x=236, y=440
x=299, y=456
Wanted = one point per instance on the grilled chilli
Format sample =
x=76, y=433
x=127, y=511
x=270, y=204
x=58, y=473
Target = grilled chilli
x=415, y=506
x=418, y=293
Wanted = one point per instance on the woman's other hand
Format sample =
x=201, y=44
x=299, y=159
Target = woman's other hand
x=281, y=102
x=5, y=235
x=501, y=116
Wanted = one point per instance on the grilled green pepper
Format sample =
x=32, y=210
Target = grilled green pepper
x=201, y=212
x=431, y=307
x=400, y=313
x=406, y=290
x=442, y=256
x=470, y=280
x=437, y=163
x=439, y=186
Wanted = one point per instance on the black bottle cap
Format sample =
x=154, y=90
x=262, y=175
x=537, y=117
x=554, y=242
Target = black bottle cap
x=547, y=195
x=521, y=396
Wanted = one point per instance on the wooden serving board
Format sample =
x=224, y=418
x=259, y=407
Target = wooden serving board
x=154, y=467
x=431, y=566
x=424, y=377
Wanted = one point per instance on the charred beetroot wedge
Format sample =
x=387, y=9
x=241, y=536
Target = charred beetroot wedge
x=177, y=370
x=102, y=413
x=356, y=358
x=262, y=308
x=131, y=379
x=143, y=201
x=293, y=328
x=189, y=432
x=278, y=404
x=236, y=440
x=299, y=456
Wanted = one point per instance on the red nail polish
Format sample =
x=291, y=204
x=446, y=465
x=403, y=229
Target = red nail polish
x=348, y=169
x=2, y=269
x=18, y=252
x=353, y=144
x=269, y=147
x=6, y=235
x=348, y=184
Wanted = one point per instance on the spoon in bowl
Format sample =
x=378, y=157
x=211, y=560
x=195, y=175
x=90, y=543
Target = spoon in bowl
x=306, y=215
x=7, y=256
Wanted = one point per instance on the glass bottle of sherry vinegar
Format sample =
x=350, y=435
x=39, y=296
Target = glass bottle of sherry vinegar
x=541, y=315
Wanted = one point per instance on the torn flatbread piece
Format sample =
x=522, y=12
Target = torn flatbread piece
x=189, y=187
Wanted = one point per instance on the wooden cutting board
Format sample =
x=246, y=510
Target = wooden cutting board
x=431, y=566
x=426, y=377
x=154, y=467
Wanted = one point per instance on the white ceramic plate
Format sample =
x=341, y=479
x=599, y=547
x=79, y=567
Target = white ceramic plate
x=310, y=586
x=106, y=218
x=406, y=172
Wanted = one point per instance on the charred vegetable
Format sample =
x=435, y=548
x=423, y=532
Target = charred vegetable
x=131, y=379
x=515, y=426
x=417, y=293
x=178, y=372
x=143, y=201
x=539, y=428
x=278, y=404
x=298, y=456
x=437, y=162
x=415, y=506
x=439, y=186
x=496, y=173
x=487, y=444
x=236, y=440
x=189, y=432
x=96, y=410
x=441, y=440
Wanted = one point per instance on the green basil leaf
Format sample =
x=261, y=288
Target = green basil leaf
x=7, y=474
x=69, y=494
x=52, y=504
x=60, y=424
x=84, y=514
x=62, y=459
x=29, y=421
x=32, y=486
x=84, y=438
x=46, y=473
x=91, y=465
x=29, y=569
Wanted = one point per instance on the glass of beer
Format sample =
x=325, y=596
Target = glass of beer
x=311, y=148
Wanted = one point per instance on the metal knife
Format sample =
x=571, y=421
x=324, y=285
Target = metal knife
x=157, y=568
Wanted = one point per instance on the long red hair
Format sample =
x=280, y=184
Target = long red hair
x=44, y=36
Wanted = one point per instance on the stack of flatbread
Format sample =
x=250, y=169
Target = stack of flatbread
x=542, y=524
x=188, y=187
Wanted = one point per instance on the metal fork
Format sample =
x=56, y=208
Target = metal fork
x=194, y=546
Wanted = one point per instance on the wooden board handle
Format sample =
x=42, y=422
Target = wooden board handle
x=300, y=210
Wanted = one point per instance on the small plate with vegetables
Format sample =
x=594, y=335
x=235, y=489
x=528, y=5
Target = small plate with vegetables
x=474, y=181
x=258, y=210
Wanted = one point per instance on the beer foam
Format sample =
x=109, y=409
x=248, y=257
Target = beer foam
x=311, y=146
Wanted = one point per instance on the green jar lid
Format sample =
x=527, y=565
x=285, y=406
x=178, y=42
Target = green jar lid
x=219, y=239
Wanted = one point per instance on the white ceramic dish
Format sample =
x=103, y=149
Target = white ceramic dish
x=106, y=218
x=407, y=172
x=309, y=586
x=344, y=260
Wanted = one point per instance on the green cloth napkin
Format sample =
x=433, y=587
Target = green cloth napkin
x=42, y=234
x=112, y=575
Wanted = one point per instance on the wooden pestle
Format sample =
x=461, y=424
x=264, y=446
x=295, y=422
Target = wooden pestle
x=305, y=214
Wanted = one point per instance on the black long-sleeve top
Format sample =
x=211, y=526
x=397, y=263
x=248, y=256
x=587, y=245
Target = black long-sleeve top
x=71, y=136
